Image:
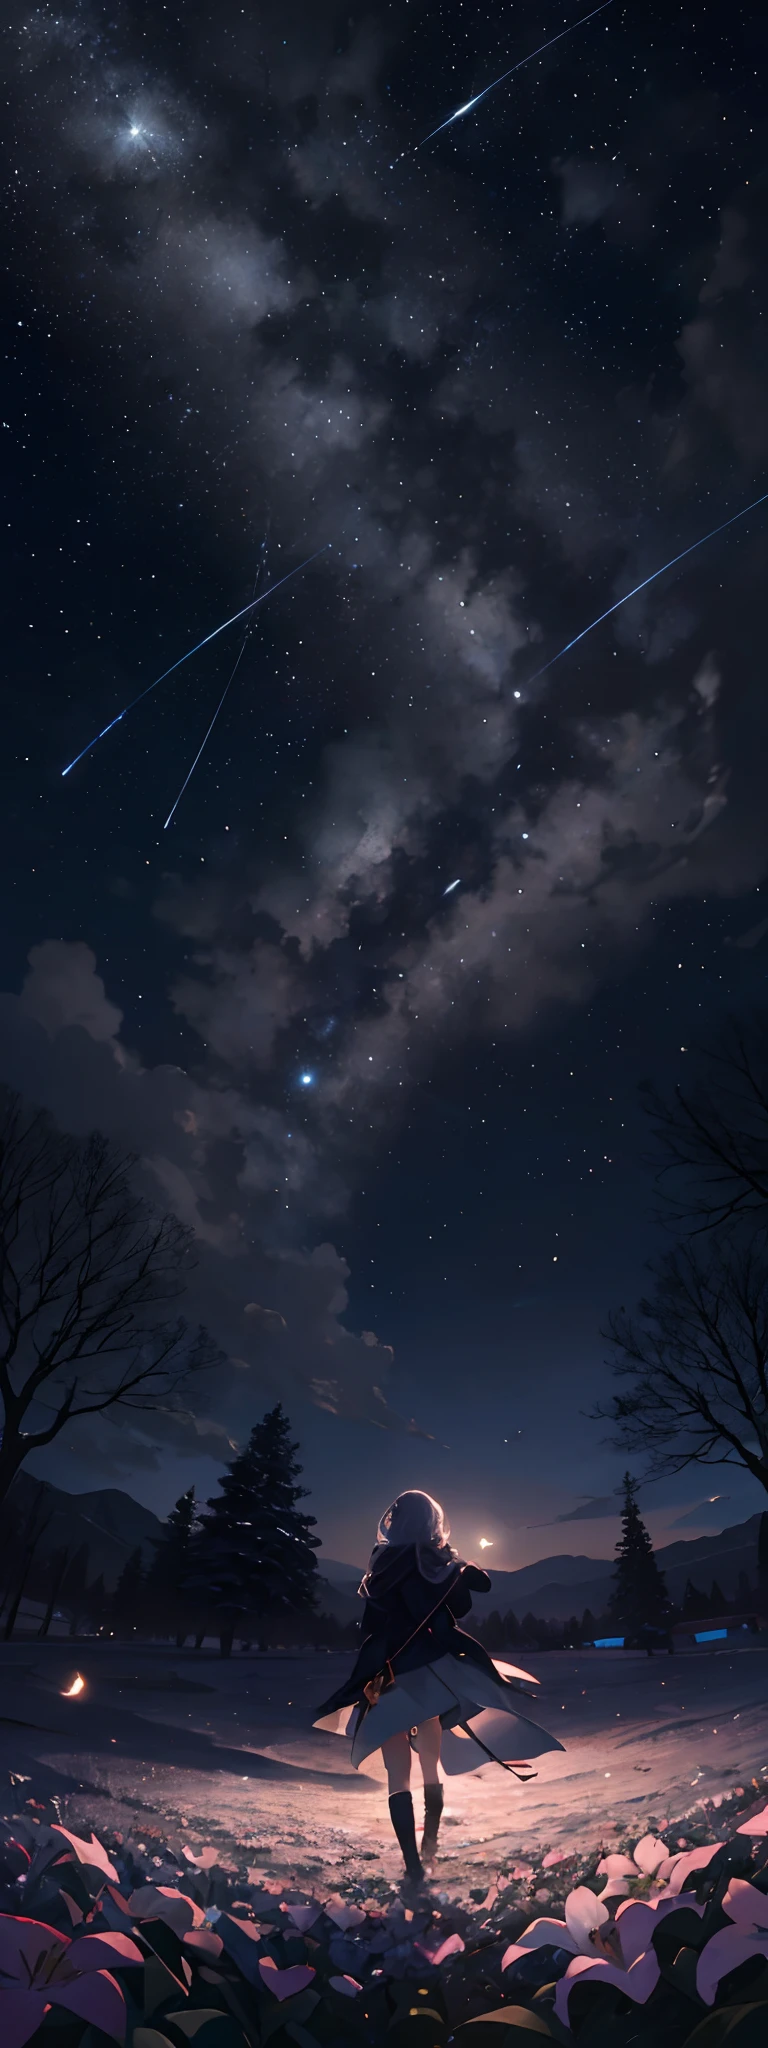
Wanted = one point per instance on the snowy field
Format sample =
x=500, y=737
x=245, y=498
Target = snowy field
x=223, y=1753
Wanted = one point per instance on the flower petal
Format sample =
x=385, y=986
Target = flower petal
x=540, y=1934
x=616, y=1866
x=452, y=1946
x=22, y=2013
x=746, y=1905
x=649, y=1853
x=637, y=1919
x=758, y=1825
x=637, y=1983
x=682, y=1866
x=344, y=1914
x=97, y=1999
x=724, y=1952
x=348, y=1986
x=25, y=1942
x=583, y=1913
x=102, y=1952
x=304, y=1917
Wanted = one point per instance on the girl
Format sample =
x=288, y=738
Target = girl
x=419, y=1681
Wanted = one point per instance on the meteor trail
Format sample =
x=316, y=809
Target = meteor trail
x=193, y=650
x=471, y=104
x=201, y=749
x=743, y=514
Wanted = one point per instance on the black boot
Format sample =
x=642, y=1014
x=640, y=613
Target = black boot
x=433, y=1807
x=401, y=1815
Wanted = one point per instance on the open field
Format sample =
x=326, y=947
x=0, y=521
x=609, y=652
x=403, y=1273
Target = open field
x=201, y=1750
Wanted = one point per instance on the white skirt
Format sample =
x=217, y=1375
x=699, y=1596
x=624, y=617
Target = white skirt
x=457, y=1690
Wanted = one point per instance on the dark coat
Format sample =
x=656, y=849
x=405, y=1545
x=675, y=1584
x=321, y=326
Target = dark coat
x=399, y=1604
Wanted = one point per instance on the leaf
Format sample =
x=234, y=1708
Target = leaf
x=284, y=1983
x=23, y=2012
x=452, y=1946
x=347, y=1986
x=636, y=1983
x=208, y=2028
x=102, y=1952
x=97, y=1999
x=416, y=2030
x=516, y=2020
x=724, y=1953
x=163, y=1902
x=202, y=1942
x=148, y=2037
x=734, y=2026
x=92, y=1854
x=343, y=1914
x=304, y=1917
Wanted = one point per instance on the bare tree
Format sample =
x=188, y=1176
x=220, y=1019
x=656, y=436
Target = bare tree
x=85, y=1268
x=712, y=1137
x=693, y=1360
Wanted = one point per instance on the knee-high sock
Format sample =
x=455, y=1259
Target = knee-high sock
x=433, y=1807
x=401, y=1815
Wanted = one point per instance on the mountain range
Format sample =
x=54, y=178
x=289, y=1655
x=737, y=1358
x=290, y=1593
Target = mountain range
x=113, y=1525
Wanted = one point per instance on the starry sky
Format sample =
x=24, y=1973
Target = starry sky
x=492, y=381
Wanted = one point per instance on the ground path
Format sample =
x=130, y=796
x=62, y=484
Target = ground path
x=200, y=1751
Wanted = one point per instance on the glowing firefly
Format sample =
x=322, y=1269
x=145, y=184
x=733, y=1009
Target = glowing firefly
x=451, y=886
x=469, y=105
x=743, y=514
x=486, y=1543
x=73, y=1691
x=188, y=656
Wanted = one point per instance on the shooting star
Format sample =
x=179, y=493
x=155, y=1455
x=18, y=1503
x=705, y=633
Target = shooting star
x=223, y=697
x=193, y=650
x=470, y=105
x=743, y=514
x=451, y=886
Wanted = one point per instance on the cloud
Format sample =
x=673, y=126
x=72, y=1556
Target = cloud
x=229, y=1168
x=591, y=1510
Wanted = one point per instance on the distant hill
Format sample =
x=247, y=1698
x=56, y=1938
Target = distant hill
x=111, y=1522
x=559, y=1586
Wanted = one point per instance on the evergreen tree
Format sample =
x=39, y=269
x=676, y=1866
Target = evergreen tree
x=640, y=1598
x=254, y=1558
x=57, y=1572
x=128, y=1598
x=512, y=1631
x=492, y=1631
x=695, y=1604
x=168, y=1598
x=73, y=1588
x=97, y=1601
x=589, y=1628
x=762, y=1564
x=744, y=1595
x=717, y=1600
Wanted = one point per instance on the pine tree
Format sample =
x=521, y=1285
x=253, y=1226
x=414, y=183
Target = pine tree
x=512, y=1630
x=73, y=1588
x=127, y=1602
x=717, y=1600
x=762, y=1564
x=640, y=1598
x=695, y=1604
x=589, y=1628
x=168, y=1599
x=744, y=1595
x=98, y=1604
x=254, y=1558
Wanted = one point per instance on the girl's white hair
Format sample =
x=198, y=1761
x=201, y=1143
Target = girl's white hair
x=415, y=1518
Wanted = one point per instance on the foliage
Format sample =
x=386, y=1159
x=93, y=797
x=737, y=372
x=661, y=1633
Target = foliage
x=123, y=1943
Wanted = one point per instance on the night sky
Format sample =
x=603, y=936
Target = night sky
x=499, y=378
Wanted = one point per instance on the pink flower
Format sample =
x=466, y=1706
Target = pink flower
x=748, y=1909
x=758, y=1825
x=636, y=1972
x=584, y=1914
x=40, y=1967
x=646, y=1859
